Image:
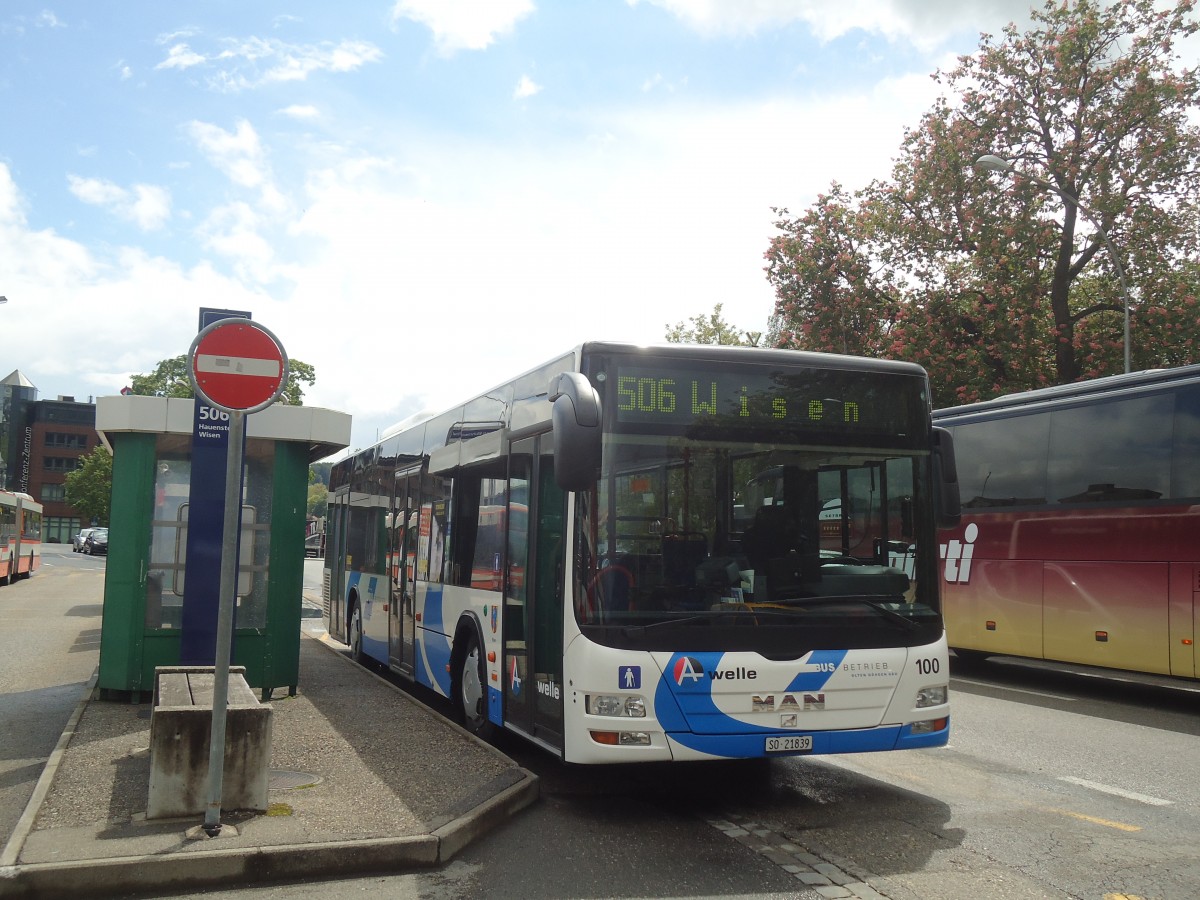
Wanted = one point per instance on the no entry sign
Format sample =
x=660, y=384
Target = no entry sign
x=238, y=366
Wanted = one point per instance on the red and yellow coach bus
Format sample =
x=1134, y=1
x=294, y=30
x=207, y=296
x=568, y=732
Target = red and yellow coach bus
x=20, y=536
x=1080, y=533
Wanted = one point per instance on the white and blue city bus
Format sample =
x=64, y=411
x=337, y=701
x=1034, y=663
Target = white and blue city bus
x=661, y=553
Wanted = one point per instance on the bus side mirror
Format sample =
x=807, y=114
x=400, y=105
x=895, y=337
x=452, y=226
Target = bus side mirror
x=945, y=479
x=575, y=417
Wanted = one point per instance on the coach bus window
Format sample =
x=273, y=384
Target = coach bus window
x=1003, y=462
x=1185, y=461
x=1106, y=452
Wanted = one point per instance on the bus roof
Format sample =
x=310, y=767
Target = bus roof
x=1112, y=384
x=494, y=409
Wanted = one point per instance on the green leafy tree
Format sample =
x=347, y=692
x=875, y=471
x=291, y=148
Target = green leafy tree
x=89, y=488
x=170, y=379
x=996, y=283
x=711, y=329
x=318, y=500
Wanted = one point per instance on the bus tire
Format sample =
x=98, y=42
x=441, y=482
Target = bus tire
x=470, y=686
x=354, y=633
x=970, y=658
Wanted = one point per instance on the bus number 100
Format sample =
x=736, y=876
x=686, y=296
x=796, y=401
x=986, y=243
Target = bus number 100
x=646, y=394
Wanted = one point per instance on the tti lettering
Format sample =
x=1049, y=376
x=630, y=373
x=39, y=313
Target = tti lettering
x=958, y=554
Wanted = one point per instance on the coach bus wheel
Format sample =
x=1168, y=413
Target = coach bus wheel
x=970, y=658
x=355, y=635
x=470, y=689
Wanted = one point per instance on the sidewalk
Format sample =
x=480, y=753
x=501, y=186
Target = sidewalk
x=363, y=779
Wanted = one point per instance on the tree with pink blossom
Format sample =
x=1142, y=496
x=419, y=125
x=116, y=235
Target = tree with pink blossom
x=997, y=282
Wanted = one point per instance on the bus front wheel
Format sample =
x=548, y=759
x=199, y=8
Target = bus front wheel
x=470, y=688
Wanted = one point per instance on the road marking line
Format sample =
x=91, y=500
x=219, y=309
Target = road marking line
x=1107, y=823
x=1002, y=687
x=1117, y=792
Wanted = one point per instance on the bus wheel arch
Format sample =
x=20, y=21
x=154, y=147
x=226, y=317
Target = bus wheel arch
x=468, y=680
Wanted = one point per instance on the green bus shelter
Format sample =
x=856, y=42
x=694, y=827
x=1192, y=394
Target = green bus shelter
x=151, y=439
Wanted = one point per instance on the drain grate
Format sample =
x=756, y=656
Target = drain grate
x=287, y=780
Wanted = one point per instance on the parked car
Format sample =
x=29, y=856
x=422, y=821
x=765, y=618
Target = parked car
x=96, y=542
x=77, y=540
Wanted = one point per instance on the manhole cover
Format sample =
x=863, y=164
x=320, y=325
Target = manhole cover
x=287, y=780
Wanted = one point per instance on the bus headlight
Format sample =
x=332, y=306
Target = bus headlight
x=620, y=705
x=931, y=696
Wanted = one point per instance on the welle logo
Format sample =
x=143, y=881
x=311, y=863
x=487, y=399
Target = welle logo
x=957, y=555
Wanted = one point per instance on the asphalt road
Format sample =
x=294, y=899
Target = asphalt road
x=50, y=645
x=1054, y=785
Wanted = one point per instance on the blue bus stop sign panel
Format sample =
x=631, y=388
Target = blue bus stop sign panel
x=205, y=527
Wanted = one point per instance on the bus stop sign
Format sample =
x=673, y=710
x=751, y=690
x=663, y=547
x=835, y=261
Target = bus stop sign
x=238, y=365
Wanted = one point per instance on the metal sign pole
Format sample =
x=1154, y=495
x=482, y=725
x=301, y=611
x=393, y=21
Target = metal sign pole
x=229, y=566
x=238, y=367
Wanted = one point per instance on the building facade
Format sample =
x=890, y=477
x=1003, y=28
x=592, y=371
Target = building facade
x=42, y=442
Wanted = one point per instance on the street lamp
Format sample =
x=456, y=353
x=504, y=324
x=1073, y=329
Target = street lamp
x=990, y=163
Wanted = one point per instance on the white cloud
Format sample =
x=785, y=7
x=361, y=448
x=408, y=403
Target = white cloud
x=151, y=206
x=147, y=206
x=653, y=218
x=238, y=154
x=180, y=56
x=925, y=23
x=300, y=111
x=526, y=87
x=235, y=232
x=149, y=304
x=464, y=24
x=253, y=62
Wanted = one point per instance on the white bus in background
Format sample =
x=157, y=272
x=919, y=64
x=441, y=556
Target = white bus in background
x=589, y=555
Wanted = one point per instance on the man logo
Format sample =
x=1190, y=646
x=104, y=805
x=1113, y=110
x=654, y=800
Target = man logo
x=688, y=667
x=786, y=702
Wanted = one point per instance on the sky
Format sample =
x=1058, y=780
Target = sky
x=424, y=198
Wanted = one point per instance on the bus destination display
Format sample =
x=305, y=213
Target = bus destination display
x=818, y=399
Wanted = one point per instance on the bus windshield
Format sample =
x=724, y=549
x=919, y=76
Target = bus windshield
x=726, y=545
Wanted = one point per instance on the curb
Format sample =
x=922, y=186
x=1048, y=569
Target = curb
x=263, y=865
x=277, y=864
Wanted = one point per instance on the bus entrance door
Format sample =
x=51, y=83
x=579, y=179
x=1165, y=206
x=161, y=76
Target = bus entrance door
x=533, y=595
x=402, y=550
x=335, y=572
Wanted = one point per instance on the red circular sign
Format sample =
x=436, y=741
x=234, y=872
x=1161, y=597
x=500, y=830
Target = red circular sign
x=238, y=365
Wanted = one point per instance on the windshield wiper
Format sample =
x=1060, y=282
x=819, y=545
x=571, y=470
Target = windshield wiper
x=871, y=600
x=706, y=617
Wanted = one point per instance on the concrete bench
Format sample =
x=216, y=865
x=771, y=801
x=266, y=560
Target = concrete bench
x=180, y=727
